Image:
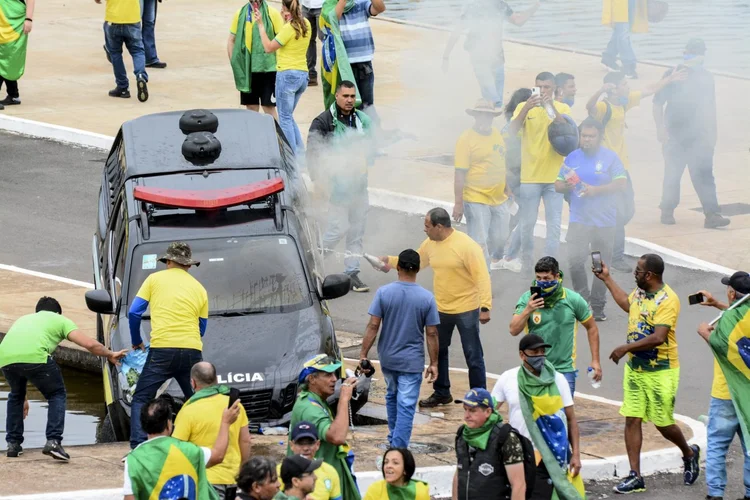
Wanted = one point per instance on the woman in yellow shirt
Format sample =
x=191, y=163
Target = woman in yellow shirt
x=398, y=469
x=291, y=67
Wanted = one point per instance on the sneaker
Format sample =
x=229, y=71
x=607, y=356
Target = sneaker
x=357, y=284
x=621, y=266
x=157, y=65
x=513, y=265
x=497, y=265
x=600, y=316
x=714, y=221
x=632, y=484
x=667, y=218
x=435, y=400
x=14, y=450
x=11, y=101
x=54, y=449
x=630, y=73
x=106, y=52
x=142, y=89
x=610, y=64
x=312, y=82
x=692, y=466
x=119, y=92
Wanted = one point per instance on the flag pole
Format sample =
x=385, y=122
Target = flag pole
x=736, y=304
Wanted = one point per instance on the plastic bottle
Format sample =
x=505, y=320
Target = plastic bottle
x=572, y=179
x=550, y=110
x=591, y=374
x=377, y=263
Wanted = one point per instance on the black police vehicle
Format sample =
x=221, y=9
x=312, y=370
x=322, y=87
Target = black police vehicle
x=225, y=182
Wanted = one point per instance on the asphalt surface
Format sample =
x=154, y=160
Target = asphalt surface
x=48, y=213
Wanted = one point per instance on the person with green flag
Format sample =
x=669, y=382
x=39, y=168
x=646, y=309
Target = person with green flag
x=398, y=484
x=317, y=382
x=729, y=411
x=490, y=453
x=254, y=70
x=16, y=22
x=540, y=406
x=164, y=466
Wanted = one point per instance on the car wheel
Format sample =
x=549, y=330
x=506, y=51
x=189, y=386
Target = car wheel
x=119, y=421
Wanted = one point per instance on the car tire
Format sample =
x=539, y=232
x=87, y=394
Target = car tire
x=119, y=422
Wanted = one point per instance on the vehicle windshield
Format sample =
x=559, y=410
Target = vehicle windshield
x=241, y=275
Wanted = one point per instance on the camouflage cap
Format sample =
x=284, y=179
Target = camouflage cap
x=180, y=253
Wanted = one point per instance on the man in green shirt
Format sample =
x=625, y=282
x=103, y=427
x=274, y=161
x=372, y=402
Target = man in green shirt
x=317, y=382
x=555, y=316
x=25, y=356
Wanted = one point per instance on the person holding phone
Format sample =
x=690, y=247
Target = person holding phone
x=199, y=422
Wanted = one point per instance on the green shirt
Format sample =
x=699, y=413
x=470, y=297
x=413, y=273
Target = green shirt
x=32, y=338
x=558, y=326
x=283, y=496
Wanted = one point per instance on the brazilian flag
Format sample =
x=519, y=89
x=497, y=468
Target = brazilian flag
x=334, y=65
x=730, y=342
x=13, y=41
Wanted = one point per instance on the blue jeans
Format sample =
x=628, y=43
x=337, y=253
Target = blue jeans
x=488, y=226
x=722, y=426
x=148, y=18
x=129, y=34
x=161, y=365
x=468, y=328
x=530, y=197
x=571, y=378
x=620, y=42
x=290, y=85
x=491, y=78
x=353, y=217
x=402, y=393
x=46, y=377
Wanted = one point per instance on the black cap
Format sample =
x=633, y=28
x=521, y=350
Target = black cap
x=296, y=466
x=739, y=281
x=304, y=430
x=408, y=260
x=696, y=46
x=532, y=341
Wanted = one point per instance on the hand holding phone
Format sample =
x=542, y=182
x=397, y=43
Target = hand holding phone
x=696, y=298
x=234, y=395
x=596, y=262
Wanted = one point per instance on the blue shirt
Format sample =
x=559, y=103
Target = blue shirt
x=599, y=169
x=405, y=308
x=356, y=33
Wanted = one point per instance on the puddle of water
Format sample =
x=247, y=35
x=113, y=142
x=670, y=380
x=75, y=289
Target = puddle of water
x=85, y=411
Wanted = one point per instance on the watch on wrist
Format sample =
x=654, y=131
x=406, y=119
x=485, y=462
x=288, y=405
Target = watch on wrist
x=484, y=309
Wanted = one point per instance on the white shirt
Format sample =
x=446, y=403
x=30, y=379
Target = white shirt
x=312, y=4
x=506, y=390
x=127, y=488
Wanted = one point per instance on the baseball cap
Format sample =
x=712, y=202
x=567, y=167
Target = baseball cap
x=532, y=341
x=696, y=46
x=740, y=281
x=408, y=260
x=296, y=466
x=319, y=363
x=477, y=397
x=304, y=429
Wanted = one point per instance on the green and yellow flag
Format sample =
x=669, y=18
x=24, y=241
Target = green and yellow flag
x=334, y=64
x=730, y=342
x=13, y=41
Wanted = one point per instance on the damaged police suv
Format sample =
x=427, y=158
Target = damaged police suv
x=225, y=182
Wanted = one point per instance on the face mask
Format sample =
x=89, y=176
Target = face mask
x=692, y=60
x=548, y=287
x=536, y=362
x=569, y=101
x=623, y=101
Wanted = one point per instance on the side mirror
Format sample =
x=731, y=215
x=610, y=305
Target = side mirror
x=99, y=301
x=336, y=285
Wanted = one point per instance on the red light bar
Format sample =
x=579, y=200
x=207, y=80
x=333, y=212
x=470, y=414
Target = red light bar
x=209, y=199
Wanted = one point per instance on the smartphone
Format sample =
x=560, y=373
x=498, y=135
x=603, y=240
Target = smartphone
x=536, y=91
x=536, y=290
x=596, y=261
x=696, y=298
x=234, y=395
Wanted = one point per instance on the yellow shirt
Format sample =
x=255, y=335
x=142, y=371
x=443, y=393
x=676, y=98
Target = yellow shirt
x=540, y=163
x=293, y=51
x=461, y=280
x=483, y=159
x=123, y=12
x=379, y=491
x=647, y=311
x=327, y=483
x=617, y=11
x=176, y=300
x=199, y=423
x=614, y=131
x=276, y=20
x=719, y=388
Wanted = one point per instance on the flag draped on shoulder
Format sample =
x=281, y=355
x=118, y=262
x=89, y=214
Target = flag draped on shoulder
x=334, y=65
x=730, y=343
x=13, y=40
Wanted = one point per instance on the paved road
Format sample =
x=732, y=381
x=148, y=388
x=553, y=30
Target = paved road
x=47, y=215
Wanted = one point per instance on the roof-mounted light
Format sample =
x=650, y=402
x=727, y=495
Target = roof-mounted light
x=209, y=199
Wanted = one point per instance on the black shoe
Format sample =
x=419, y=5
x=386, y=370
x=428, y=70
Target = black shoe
x=109, y=57
x=630, y=72
x=312, y=82
x=54, y=449
x=14, y=450
x=435, y=400
x=11, y=101
x=157, y=65
x=621, y=266
x=2, y=107
x=632, y=484
x=600, y=316
x=610, y=64
x=714, y=221
x=142, y=89
x=357, y=284
x=119, y=92
x=667, y=218
x=709, y=497
x=692, y=466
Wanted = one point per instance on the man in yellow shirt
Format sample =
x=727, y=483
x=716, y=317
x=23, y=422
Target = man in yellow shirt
x=305, y=442
x=199, y=420
x=122, y=25
x=540, y=165
x=624, y=17
x=179, y=315
x=479, y=183
x=463, y=293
